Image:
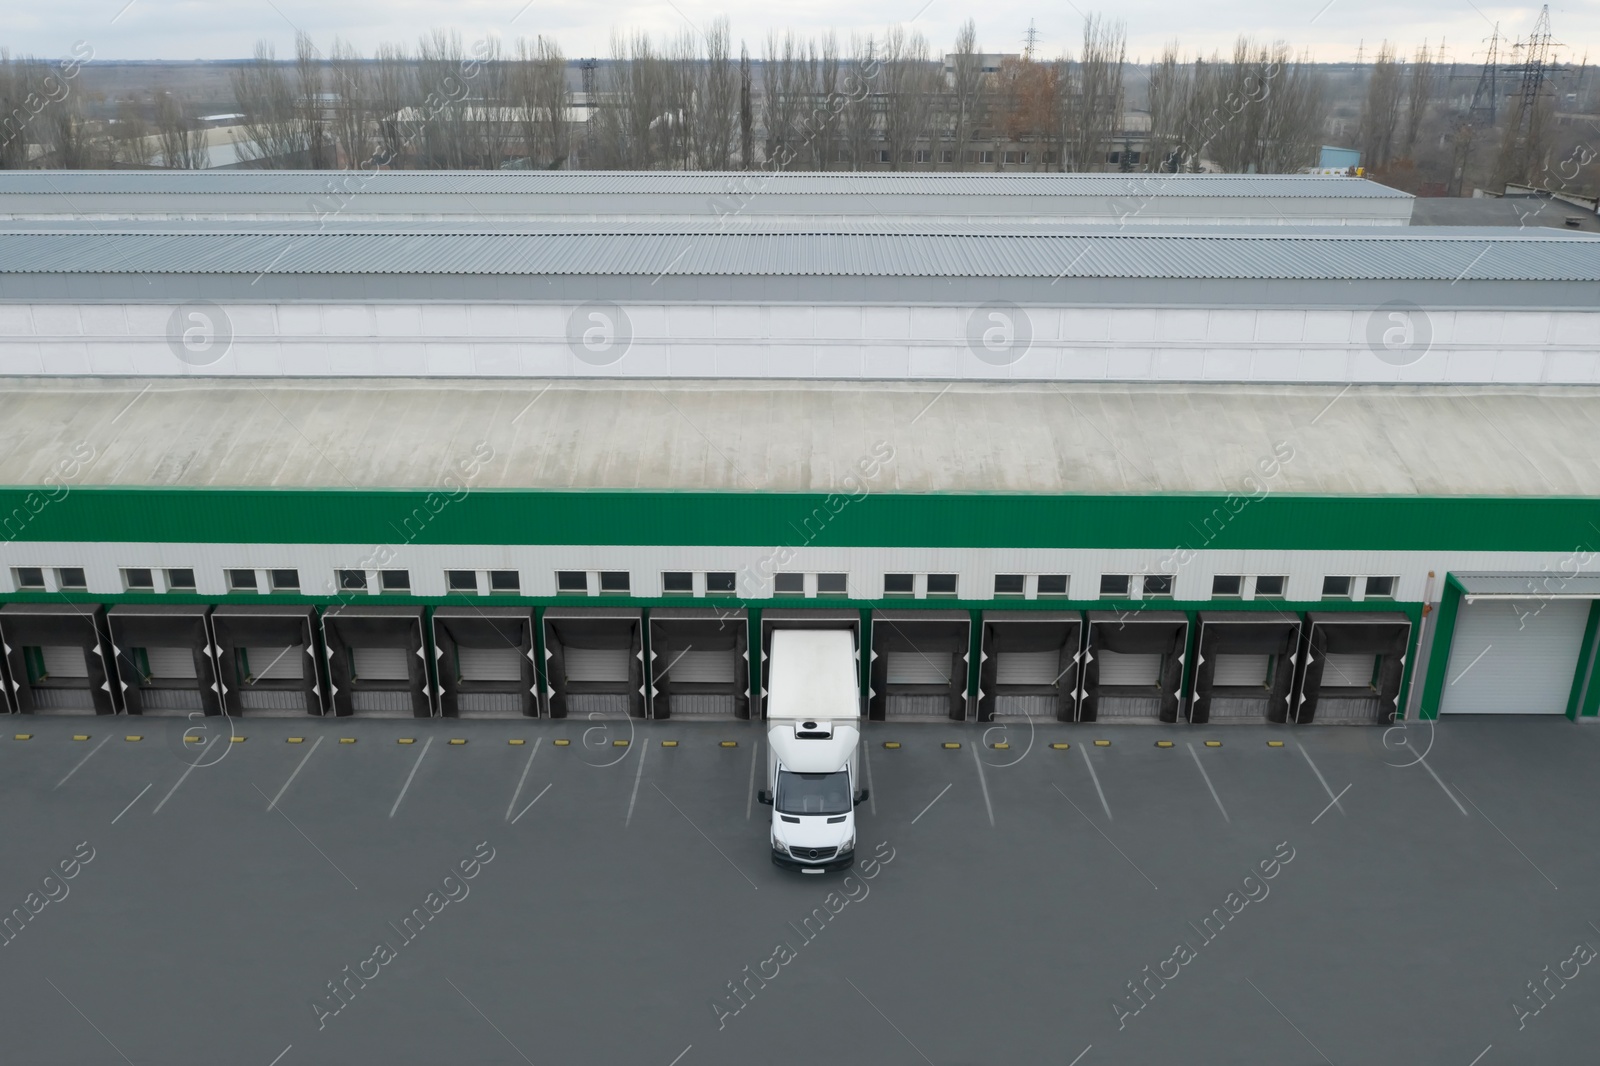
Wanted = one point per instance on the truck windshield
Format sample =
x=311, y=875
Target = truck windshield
x=813, y=793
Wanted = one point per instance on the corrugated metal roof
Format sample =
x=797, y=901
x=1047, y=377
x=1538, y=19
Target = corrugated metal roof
x=1406, y=255
x=699, y=184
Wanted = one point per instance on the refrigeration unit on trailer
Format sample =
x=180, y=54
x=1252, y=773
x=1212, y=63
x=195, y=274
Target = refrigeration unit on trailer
x=594, y=662
x=1028, y=665
x=919, y=665
x=57, y=657
x=699, y=663
x=813, y=748
x=376, y=664
x=267, y=660
x=1354, y=665
x=1133, y=667
x=1244, y=666
x=485, y=662
x=165, y=658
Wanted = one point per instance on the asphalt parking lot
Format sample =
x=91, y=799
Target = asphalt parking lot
x=287, y=904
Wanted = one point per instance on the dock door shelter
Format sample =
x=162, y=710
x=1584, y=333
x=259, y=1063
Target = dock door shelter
x=1354, y=665
x=267, y=660
x=1133, y=669
x=485, y=662
x=1244, y=666
x=376, y=665
x=919, y=665
x=699, y=663
x=165, y=658
x=594, y=662
x=1029, y=663
x=1520, y=644
x=56, y=654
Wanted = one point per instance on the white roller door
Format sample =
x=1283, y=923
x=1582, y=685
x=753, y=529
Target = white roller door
x=381, y=664
x=1349, y=671
x=170, y=664
x=1241, y=671
x=64, y=661
x=1137, y=668
x=919, y=668
x=700, y=667
x=1509, y=657
x=489, y=664
x=597, y=664
x=1028, y=668
x=276, y=664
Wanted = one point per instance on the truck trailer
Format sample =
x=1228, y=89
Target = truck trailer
x=813, y=748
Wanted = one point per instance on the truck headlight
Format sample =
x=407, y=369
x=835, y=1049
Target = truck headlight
x=777, y=846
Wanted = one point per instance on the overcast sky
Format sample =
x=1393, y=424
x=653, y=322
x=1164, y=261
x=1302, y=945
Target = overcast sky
x=224, y=29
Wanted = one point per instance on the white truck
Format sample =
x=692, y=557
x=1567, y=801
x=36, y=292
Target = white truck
x=813, y=748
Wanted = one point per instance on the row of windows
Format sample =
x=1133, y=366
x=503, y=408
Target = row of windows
x=722, y=583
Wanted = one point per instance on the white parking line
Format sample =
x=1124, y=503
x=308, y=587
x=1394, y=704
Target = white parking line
x=294, y=775
x=872, y=800
x=1081, y=1054
x=523, y=779
x=81, y=761
x=984, y=784
x=129, y=807
x=681, y=1054
x=931, y=802
x=1441, y=784
x=1096, y=778
x=185, y=775
x=1481, y=1054
x=1212, y=788
x=281, y=1054
x=531, y=802
x=750, y=789
x=1331, y=805
x=638, y=775
x=414, y=766
x=1322, y=779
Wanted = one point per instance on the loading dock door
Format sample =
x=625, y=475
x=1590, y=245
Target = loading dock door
x=597, y=664
x=1242, y=671
x=174, y=663
x=704, y=667
x=1514, y=657
x=62, y=662
x=489, y=664
x=1028, y=667
x=1349, y=671
x=273, y=664
x=919, y=668
x=380, y=664
x=1138, y=669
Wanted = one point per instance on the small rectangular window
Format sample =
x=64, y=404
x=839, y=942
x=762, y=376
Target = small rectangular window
x=461, y=580
x=941, y=584
x=1271, y=587
x=833, y=584
x=504, y=581
x=615, y=582
x=242, y=580
x=289, y=580
x=180, y=578
x=1157, y=586
x=1008, y=584
x=395, y=580
x=29, y=577
x=1052, y=584
x=677, y=583
x=138, y=579
x=1227, y=585
x=71, y=577
x=789, y=584
x=899, y=584
x=1113, y=584
x=1335, y=587
x=572, y=582
x=353, y=580
x=1380, y=588
x=721, y=583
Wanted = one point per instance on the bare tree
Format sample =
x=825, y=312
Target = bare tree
x=392, y=92
x=1091, y=96
x=1170, y=96
x=908, y=81
x=130, y=138
x=446, y=122
x=1419, y=93
x=966, y=100
x=716, y=100
x=785, y=91
x=353, y=126
x=747, y=133
x=183, y=141
x=1380, y=116
x=312, y=105
x=1289, y=99
x=268, y=111
x=544, y=103
x=864, y=95
x=822, y=121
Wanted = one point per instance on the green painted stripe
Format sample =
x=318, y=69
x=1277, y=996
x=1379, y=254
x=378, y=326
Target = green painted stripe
x=1439, y=655
x=1396, y=523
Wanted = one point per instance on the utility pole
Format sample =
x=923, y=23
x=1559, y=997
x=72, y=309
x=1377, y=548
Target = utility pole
x=587, y=68
x=1030, y=39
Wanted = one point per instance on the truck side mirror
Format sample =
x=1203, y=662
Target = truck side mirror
x=865, y=795
x=764, y=797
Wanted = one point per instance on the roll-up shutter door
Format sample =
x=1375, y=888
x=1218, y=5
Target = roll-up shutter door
x=1514, y=658
x=701, y=667
x=1028, y=668
x=276, y=664
x=1139, y=668
x=1348, y=671
x=489, y=664
x=919, y=668
x=64, y=661
x=381, y=664
x=597, y=664
x=1241, y=671
x=174, y=664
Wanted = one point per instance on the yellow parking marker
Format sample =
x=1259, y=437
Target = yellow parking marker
x=515, y=742
x=1163, y=743
x=619, y=743
x=1061, y=745
x=1213, y=743
x=236, y=740
x=1002, y=746
x=23, y=736
x=1274, y=743
x=297, y=740
x=347, y=740
x=457, y=740
x=891, y=744
x=730, y=743
x=669, y=743
x=80, y=736
x=406, y=740
x=951, y=745
x=562, y=743
x=1102, y=743
x=190, y=740
x=133, y=737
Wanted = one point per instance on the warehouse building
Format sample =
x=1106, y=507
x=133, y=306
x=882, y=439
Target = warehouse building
x=568, y=470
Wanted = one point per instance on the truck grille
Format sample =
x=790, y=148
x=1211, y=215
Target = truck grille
x=812, y=853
